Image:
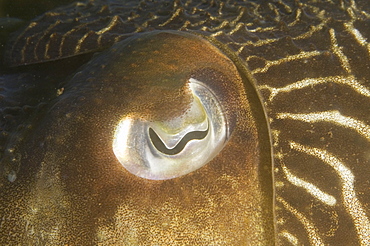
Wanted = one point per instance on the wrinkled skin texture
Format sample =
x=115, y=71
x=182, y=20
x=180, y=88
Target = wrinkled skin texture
x=308, y=61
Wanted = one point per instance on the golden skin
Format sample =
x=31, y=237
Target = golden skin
x=73, y=191
x=309, y=61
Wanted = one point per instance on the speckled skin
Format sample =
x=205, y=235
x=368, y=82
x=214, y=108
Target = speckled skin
x=66, y=183
x=308, y=61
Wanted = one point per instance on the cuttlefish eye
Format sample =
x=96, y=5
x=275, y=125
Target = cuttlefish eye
x=172, y=148
x=171, y=114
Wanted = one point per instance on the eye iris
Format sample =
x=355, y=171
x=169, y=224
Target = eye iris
x=165, y=150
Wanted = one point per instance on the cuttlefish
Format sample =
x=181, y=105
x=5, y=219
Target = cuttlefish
x=187, y=123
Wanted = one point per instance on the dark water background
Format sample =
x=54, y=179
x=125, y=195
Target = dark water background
x=16, y=13
x=28, y=9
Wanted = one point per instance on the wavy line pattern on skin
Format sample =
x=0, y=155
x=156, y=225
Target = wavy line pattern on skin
x=311, y=82
x=334, y=129
x=350, y=200
x=334, y=117
x=310, y=228
x=310, y=62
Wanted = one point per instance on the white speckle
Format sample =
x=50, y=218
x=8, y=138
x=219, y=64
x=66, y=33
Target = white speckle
x=12, y=176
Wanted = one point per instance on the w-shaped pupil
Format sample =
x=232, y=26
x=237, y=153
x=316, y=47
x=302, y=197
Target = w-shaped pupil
x=158, y=143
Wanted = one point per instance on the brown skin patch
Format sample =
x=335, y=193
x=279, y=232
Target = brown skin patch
x=172, y=64
x=87, y=195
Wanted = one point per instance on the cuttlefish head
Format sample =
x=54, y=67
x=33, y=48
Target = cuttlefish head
x=157, y=140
